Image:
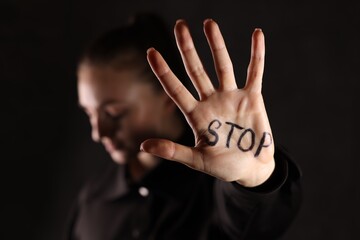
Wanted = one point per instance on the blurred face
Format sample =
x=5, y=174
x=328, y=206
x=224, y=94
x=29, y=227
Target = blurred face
x=122, y=110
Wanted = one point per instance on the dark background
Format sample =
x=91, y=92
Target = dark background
x=311, y=90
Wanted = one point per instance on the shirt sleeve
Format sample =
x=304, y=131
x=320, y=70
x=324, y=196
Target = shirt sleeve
x=262, y=212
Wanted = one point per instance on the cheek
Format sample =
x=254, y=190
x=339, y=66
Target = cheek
x=147, y=118
x=140, y=122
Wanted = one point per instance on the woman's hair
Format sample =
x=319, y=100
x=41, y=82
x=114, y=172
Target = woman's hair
x=126, y=46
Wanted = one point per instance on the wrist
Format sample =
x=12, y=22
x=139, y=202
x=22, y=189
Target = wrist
x=258, y=176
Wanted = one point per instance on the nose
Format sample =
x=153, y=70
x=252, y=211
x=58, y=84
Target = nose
x=100, y=127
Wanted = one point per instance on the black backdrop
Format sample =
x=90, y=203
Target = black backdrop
x=311, y=89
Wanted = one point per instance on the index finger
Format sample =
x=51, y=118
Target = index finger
x=171, y=84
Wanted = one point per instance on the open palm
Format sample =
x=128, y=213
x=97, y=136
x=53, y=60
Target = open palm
x=231, y=128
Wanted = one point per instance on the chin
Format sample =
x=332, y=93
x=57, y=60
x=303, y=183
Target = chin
x=118, y=157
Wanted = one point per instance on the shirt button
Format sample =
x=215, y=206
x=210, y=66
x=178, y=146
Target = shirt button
x=143, y=191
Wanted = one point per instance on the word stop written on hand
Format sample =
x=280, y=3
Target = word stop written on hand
x=216, y=124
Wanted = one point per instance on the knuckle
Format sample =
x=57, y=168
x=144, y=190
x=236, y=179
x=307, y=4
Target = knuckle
x=197, y=71
x=176, y=91
x=225, y=68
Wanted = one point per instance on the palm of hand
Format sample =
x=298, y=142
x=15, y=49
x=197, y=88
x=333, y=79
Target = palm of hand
x=228, y=128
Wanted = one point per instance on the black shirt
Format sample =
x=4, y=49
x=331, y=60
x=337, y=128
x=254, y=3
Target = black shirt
x=176, y=202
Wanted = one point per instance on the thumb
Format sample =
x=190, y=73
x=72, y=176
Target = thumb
x=169, y=150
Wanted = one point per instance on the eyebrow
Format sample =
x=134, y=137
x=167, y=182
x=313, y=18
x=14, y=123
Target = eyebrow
x=107, y=102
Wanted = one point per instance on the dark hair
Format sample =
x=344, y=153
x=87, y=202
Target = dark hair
x=142, y=32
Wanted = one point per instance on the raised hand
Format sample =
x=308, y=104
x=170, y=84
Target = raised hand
x=232, y=132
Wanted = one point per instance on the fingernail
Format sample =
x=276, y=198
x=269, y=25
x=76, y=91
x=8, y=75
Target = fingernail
x=149, y=50
x=179, y=20
x=207, y=20
x=258, y=29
